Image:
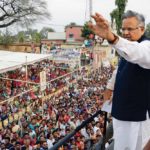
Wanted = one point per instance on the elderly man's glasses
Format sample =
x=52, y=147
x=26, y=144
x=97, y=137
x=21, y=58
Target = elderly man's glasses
x=129, y=29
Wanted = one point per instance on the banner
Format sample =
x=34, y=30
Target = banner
x=42, y=80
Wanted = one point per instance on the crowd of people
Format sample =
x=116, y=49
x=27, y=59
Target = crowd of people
x=18, y=85
x=34, y=123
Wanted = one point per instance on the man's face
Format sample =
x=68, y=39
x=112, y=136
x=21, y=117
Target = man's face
x=45, y=145
x=131, y=30
x=18, y=147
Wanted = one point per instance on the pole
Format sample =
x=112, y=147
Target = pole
x=26, y=70
x=104, y=133
x=42, y=104
x=79, y=65
x=90, y=9
x=67, y=137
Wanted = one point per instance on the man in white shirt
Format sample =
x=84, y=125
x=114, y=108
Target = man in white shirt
x=131, y=99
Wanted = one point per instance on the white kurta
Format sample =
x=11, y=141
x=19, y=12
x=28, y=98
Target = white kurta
x=134, y=52
x=131, y=135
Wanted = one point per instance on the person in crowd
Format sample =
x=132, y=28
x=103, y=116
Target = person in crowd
x=33, y=47
x=17, y=146
x=8, y=145
x=28, y=127
x=130, y=103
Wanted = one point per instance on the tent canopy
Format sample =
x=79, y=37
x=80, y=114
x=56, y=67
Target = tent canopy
x=13, y=60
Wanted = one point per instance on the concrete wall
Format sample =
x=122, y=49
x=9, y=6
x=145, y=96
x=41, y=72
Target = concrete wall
x=20, y=48
x=50, y=42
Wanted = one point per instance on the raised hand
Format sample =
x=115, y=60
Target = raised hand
x=102, y=27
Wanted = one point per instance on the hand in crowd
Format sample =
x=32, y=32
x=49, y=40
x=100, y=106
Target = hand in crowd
x=108, y=95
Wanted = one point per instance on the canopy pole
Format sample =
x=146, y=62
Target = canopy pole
x=26, y=71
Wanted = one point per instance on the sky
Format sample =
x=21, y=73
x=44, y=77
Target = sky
x=63, y=12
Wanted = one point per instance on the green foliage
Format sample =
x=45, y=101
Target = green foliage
x=37, y=37
x=21, y=37
x=86, y=31
x=147, y=32
x=116, y=14
x=24, y=36
x=6, y=37
x=44, y=32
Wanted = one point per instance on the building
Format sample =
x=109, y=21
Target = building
x=57, y=37
x=73, y=34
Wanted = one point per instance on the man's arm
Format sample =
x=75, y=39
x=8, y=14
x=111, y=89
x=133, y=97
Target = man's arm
x=111, y=82
x=137, y=53
x=110, y=86
x=147, y=146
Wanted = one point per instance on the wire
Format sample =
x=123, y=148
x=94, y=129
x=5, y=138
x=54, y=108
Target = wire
x=51, y=24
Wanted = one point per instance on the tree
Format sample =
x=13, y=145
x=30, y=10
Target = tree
x=21, y=36
x=72, y=24
x=29, y=35
x=37, y=37
x=25, y=12
x=147, y=32
x=44, y=32
x=116, y=14
x=1, y=37
x=86, y=32
x=6, y=37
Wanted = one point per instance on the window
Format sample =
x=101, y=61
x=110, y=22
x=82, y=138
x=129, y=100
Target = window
x=71, y=35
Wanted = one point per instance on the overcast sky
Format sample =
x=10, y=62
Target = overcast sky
x=65, y=11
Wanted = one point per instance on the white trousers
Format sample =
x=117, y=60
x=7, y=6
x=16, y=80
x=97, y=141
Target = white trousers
x=129, y=135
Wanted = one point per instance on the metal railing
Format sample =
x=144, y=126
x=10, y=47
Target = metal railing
x=83, y=124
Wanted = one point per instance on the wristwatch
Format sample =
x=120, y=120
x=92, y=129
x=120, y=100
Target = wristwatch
x=114, y=40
